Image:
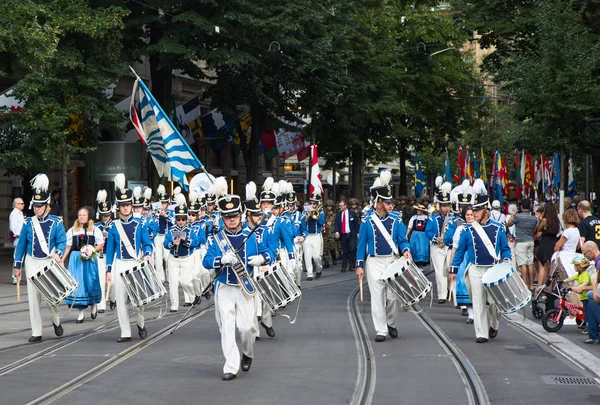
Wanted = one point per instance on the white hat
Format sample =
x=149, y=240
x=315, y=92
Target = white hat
x=496, y=204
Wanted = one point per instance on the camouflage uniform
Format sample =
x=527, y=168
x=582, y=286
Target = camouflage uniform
x=329, y=243
x=408, y=211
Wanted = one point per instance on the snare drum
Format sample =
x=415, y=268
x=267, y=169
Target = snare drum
x=506, y=287
x=407, y=281
x=276, y=287
x=54, y=282
x=142, y=284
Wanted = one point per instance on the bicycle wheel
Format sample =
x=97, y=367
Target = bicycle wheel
x=551, y=321
x=538, y=311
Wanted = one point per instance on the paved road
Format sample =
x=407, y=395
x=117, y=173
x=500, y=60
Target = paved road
x=313, y=361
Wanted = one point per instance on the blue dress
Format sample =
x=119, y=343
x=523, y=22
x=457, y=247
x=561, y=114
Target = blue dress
x=419, y=244
x=84, y=271
x=462, y=292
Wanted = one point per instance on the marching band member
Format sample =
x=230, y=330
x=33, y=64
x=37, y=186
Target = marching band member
x=298, y=221
x=233, y=308
x=104, y=213
x=436, y=227
x=148, y=220
x=181, y=241
x=419, y=244
x=485, y=244
x=164, y=219
x=313, y=243
x=212, y=215
x=138, y=202
x=201, y=277
x=381, y=239
x=42, y=240
x=127, y=239
x=285, y=237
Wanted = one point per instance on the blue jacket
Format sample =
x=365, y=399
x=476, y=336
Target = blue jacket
x=434, y=227
x=471, y=244
x=371, y=241
x=186, y=247
x=164, y=222
x=279, y=235
x=297, y=222
x=210, y=218
x=56, y=238
x=104, y=227
x=314, y=226
x=199, y=228
x=451, y=230
x=137, y=234
x=152, y=225
x=212, y=259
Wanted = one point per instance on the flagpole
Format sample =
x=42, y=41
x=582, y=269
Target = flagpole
x=173, y=126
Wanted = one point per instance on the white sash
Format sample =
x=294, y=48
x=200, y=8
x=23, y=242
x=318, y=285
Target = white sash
x=125, y=239
x=40, y=235
x=486, y=240
x=385, y=233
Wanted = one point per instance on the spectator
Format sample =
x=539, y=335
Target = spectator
x=346, y=230
x=547, y=234
x=589, y=227
x=569, y=241
x=592, y=316
x=55, y=209
x=584, y=282
x=496, y=214
x=525, y=224
x=16, y=221
x=568, y=204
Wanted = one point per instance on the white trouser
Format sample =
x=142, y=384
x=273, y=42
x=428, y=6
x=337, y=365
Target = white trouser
x=120, y=266
x=102, y=278
x=285, y=261
x=439, y=259
x=159, y=255
x=32, y=266
x=261, y=306
x=180, y=272
x=484, y=316
x=313, y=249
x=200, y=275
x=233, y=309
x=384, y=304
x=298, y=270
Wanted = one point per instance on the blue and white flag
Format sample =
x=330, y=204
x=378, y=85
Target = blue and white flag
x=172, y=156
x=556, y=174
x=420, y=183
x=571, y=186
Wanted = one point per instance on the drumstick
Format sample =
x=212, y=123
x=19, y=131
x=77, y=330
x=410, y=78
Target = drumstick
x=19, y=289
x=107, y=297
x=361, y=290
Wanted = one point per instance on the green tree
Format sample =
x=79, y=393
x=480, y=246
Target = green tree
x=62, y=86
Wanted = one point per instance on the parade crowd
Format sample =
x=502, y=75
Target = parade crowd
x=213, y=242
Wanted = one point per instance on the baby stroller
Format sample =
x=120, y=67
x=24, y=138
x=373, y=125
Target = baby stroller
x=543, y=300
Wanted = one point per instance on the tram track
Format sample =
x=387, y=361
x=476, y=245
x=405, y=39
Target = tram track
x=113, y=361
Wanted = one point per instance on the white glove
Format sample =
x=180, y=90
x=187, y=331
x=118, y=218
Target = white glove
x=257, y=260
x=228, y=258
x=292, y=264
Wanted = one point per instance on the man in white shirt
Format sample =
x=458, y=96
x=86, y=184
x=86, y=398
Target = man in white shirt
x=16, y=221
x=496, y=214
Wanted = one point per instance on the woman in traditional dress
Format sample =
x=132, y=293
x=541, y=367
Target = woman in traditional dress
x=419, y=244
x=83, y=242
x=461, y=290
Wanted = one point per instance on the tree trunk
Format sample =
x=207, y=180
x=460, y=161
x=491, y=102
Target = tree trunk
x=596, y=187
x=358, y=163
x=250, y=152
x=64, y=187
x=402, y=190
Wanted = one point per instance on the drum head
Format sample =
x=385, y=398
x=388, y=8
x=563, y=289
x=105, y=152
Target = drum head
x=497, y=274
x=394, y=268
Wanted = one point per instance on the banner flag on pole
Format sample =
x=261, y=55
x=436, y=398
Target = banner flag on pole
x=459, y=174
x=315, y=178
x=172, y=156
x=528, y=176
x=420, y=183
x=447, y=172
x=482, y=168
x=556, y=174
x=572, y=188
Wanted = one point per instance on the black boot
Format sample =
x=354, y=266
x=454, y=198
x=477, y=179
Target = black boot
x=325, y=264
x=333, y=256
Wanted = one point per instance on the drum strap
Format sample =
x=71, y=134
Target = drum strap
x=40, y=235
x=486, y=240
x=125, y=239
x=384, y=232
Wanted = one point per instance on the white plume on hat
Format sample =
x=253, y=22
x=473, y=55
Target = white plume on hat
x=438, y=181
x=137, y=192
x=446, y=188
x=40, y=182
x=276, y=189
x=466, y=187
x=282, y=187
x=193, y=196
x=161, y=190
x=176, y=191
x=119, y=181
x=384, y=177
x=101, y=196
x=377, y=183
x=289, y=187
x=148, y=194
x=479, y=187
x=211, y=189
x=220, y=186
x=180, y=200
x=251, y=191
x=268, y=184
